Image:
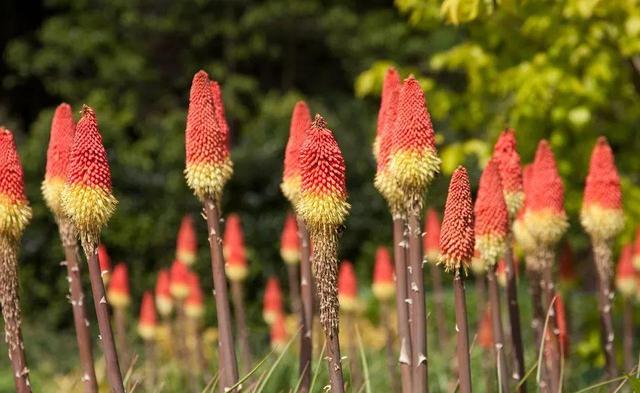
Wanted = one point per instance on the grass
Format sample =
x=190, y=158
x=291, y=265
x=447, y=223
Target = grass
x=54, y=362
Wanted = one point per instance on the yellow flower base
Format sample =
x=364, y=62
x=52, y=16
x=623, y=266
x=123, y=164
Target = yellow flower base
x=52, y=192
x=208, y=179
x=195, y=311
x=14, y=216
x=524, y=239
x=89, y=208
x=236, y=272
x=626, y=286
x=414, y=170
x=325, y=209
x=602, y=223
x=164, y=305
x=545, y=226
x=384, y=291
x=146, y=331
x=390, y=190
x=186, y=257
x=290, y=187
x=491, y=247
x=118, y=299
x=514, y=201
x=290, y=257
x=179, y=291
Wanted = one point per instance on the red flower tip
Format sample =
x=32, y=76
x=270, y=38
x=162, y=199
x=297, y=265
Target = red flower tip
x=485, y=331
x=508, y=159
x=118, y=293
x=547, y=191
x=221, y=117
x=233, y=242
x=567, y=272
x=457, y=238
x=561, y=319
x=603, y=183
x=179, y=274
x=383, y=271
x=492, y=217
x=147, y=310
x=625, y=264
x=104, y=260
x=11, y=174
x=390, y=86
x=187, y=243
x=88, y=165
x=289, y=242
x=272, y=300
x=300, y=123
x=432, y=237
x=414, y=130
x=322, y=169
x=347, y=281
x=196, y=297
x=60, y=142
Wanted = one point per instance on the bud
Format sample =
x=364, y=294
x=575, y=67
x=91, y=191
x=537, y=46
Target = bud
x=272, y=301
x=234, y=251
x=601, y=214
x=179, y=286
x=347, y=287
x=300, y=123
x=383, y=286
x=432, y=238
x=625, y=273
x=289, y=242
x=508, y=159
x=105, y=264
x=194, y=304
x=208, y=164
x=187, y=244
x=164, y=302
x=118, y=293
x=457, y=234
x=60, y=144
x=15, y=212
x=147, y=322
x=390, y=86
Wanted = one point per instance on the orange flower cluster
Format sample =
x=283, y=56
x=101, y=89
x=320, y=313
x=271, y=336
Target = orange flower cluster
x=15, y=212
x=626, y=273
x=347, y=287
x=300, y=123
x=118, y=293
x=187, y=243
x=147, y=322
x=164, y=301
x=272, y=301
x=234, y=250
x=383, y=287
x=432, y=238
x=508, y=159
x=491, y=216
x=289, y=242
x=388, y=106
x=194, y=303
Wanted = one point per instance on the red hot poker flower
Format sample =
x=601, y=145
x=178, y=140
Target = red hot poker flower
x=602, y=214
x=492, y=217
x=209, y=166
x=194, y=304
x=289, y=242
x=234, y=250
x=278, y=334
x=508, y=159
x=147, y=322
x=221, y=117
x=187, y=243
x=414, y=161
x=432, y=237
x=323, y=196
x=164, y=302
x=272, y=301
x=545, y=217
x=457, y=237
x=390, y=86
x=104, y=262
x=179, y=275
x=300, y=123
x=60, y=144
x=383, y=276
x=87, y=199
x=625, y=272
x=347, y=287
x=118, y=293
x=14, y=207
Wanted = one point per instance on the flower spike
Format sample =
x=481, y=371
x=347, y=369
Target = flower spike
x=520, y=231
x=187, y=243
x=390, y=87
x=118, y=294
x=545, y=217
x=289, y=241
x=15, y=212
x=492, y=219
x=432, y=238
x=147, y=322
x=234, y=250
x=278, y=334
x=179, y=274
x=221, y=117
x=194, y=303
x=384, y=287
x=164, y=302
x=87, y=198
x=60, y=144
x=602, y=214
x=272, y=301
x=508, y=159
x=625, y=272
x=457, y=234
x=104, y=261
x=300, y=123
x=347, y=287
x=414, y=160
x=209, y=165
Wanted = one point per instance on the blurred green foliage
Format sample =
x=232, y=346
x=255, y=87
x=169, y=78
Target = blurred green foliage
x=565, y=70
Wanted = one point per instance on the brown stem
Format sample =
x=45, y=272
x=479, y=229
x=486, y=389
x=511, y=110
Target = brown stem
x=294, y=287
x=10, y=303
x=514, y=315
x=627, y=336
x=192, y=361
x=202, y=360
x=80, y=321
x=498, y=333
x=237, y=296
x=602, y=257
x=552, y=343
x=438, y=297
x=462, y=327
x=102, y=313
x=229, y=370
x=481, y=298
x=120, y=318
x=333, y=357
x=385, y=312
x=306, y=309
x=354, y=364
x=150, y=355
x=538, y=317
x=416, y=293
x=180, y=332
x=402, y=296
